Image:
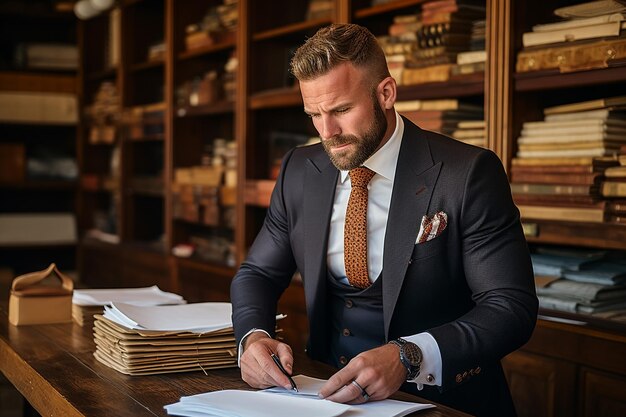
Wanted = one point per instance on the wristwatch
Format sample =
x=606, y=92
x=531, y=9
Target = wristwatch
x=410, y=356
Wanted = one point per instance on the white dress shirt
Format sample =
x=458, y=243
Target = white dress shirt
x=383, y=163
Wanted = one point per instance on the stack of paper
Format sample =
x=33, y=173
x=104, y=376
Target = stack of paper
x=279, y=402
x=144, y=340
x=86, y=303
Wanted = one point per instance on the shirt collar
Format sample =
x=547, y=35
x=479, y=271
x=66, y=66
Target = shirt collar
x=384, y=161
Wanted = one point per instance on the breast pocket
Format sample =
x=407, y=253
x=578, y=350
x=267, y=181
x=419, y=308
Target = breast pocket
x=431, y=248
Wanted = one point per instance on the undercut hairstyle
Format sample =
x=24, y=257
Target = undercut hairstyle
x=335, y=44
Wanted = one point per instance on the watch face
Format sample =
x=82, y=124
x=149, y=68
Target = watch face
x=413, y=354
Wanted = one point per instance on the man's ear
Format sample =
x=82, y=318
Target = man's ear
x=386, y=92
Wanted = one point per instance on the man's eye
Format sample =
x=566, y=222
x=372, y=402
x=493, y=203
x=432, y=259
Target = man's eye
x=342, y=110
x=313, y=116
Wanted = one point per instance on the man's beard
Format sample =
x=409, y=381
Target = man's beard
x=365, y=146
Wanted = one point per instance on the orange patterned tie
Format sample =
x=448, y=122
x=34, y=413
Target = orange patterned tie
x=355, y=230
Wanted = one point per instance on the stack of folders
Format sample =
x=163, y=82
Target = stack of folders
x=279, y=402
x=580, y=281
x=86, y=303
x=139, y=340
x=147, y=340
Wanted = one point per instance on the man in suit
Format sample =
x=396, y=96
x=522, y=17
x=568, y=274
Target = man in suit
x=444, y=288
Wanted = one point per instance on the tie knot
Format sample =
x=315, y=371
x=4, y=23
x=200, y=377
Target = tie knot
x=360, y=176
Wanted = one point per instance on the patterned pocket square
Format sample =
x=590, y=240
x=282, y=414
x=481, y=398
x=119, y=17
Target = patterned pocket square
x=432, y=227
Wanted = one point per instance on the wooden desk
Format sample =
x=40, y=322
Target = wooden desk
x=54, y=369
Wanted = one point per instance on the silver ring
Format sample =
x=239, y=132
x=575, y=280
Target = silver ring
x=364, y=393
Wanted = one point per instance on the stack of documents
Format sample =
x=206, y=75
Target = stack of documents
x=145, y=340
x=279, y=402
x=86, y=303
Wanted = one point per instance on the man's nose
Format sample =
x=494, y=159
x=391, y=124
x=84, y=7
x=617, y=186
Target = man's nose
x=329, y=128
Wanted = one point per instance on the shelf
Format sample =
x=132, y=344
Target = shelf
x=553, y=79
x=206, y=50
x=386, y=8
x=290, y=29
x=205, y=266
x=466, y=86
x=581, y=323
x=148, y=65
x=597, y=235
x=149, y=138
x=102, y=75
x=39, y=81
x=221, y=107
x=41, y=185
x=280, y=97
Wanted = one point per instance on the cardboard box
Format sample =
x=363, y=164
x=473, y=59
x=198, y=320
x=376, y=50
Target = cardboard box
x=41, y=297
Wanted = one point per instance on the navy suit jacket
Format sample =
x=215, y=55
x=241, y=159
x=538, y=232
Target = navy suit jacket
x=471, y=287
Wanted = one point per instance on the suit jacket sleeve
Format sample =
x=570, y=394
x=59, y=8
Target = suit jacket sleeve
x=268, y=269
x=498, y=273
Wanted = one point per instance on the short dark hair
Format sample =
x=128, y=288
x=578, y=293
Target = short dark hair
x=336, y=44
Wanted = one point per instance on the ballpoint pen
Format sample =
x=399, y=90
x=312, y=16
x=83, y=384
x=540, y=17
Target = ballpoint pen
x=280, y=366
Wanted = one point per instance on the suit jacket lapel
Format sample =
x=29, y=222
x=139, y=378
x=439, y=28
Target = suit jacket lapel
x=416, y=175
x=320, y=185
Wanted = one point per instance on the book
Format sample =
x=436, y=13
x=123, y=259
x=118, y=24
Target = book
x=615, y=172
x=562, y=168
x=600, y=272
x=442, y=104
x=590, y=9
x=583, y=291
x=574, y=23
x=618, y=123
x=559, y=200
x=557, y=178
x=569, y=146
x=557, y=189
x=599, y=151
x=572, y=56
x=601, y=30
x=565, y=139
x=585, y=160
x=613, y=189
x=574, y=214
x=586, y=105
x=601, y=114
x=471, y=57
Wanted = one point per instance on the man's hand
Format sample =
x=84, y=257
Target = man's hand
x=378, y=371
x=257, y=367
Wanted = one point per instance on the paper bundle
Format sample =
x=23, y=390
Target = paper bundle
x=140, y=340
x=86, y=303
x=278, y=402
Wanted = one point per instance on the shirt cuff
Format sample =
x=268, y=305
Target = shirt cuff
x=239, y=348
x=430, y=371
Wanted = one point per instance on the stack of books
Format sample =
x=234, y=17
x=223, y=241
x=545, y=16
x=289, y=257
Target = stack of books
x=139, y=340
x=578, y=281
x=614, y=186
x=588, y=34
x=88, y=302
x=447, y=116
x=423, y=47
x=561, y=161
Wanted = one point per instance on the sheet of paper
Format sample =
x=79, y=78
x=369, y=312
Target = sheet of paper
x=309, y=387
x=280, y=402
x=234, y=403
x=148, y=296
x=195, y=317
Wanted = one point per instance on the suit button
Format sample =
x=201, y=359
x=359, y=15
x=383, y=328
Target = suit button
x=459, y=378
x=343, y=360
x=477, y=370
x=346, y=332
x=349, y=303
